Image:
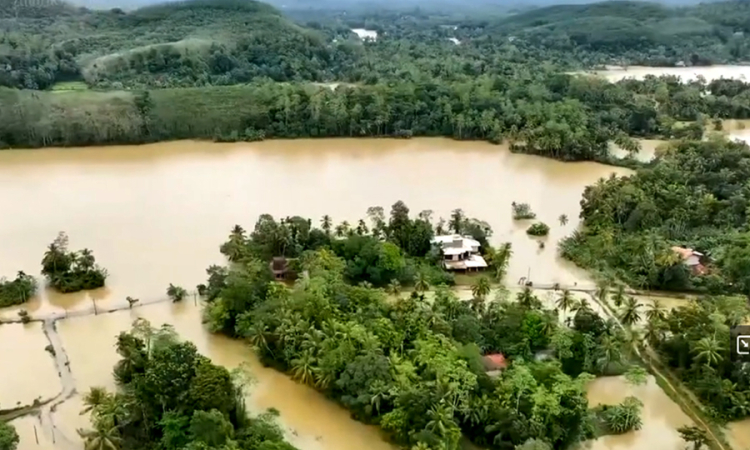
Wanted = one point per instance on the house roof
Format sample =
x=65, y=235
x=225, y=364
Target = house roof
x=686, y=253
x=279, y=264
x=455, y=250
x=450, y=238
x=494, y=361
x=473, y=262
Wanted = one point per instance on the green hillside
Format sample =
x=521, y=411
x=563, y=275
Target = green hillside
x=160, y=45
x=226, y=42
x=707, y=33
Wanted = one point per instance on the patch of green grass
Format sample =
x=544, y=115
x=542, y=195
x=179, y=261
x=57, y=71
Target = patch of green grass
x=468, y=278
x=69, y=86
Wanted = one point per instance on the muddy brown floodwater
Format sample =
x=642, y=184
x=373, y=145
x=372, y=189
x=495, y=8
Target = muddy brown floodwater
x=32, y=376
x=312, y=421
x=685, y=73
x=661, y=416
x=156, y=214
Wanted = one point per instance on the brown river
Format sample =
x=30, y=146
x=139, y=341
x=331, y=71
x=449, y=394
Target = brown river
x=156, y=214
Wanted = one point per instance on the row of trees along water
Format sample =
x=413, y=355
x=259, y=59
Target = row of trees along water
x=219, y=42
x=420, y=84
x=556, y=115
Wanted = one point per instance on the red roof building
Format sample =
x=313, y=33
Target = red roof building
x=494, y=362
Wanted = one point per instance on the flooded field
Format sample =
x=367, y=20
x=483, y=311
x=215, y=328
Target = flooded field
x=27, y=371
x=616, y=73
x=312, y=421
x=176, y=202
x=661, y=416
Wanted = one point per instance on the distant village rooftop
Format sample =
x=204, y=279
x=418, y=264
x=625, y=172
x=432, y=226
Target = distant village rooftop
x=494, y=364
x=460, y=252
x=692, y=259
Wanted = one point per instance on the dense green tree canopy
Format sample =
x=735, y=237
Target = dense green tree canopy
x=8, y=436
x=205, y=42
x=413, y=364
x=695, y=340
x=18, y=290
x=69, y=271
x=171, y=397
x=503, y=82
x=694, y=195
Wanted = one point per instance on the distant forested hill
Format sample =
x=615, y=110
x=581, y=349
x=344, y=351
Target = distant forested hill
x=699, y=34
x=224, y=42
x=197, y=42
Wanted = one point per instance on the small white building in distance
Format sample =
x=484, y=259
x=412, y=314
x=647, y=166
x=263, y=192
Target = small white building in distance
x=460, y=253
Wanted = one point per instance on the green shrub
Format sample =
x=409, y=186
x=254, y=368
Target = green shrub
x=624, y=417
x=522, y=211
x=71, y=271
x=17, y=291
x=176, y=293
x=538, y=229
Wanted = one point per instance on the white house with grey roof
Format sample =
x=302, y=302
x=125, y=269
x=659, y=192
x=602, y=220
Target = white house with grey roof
x=460, y=253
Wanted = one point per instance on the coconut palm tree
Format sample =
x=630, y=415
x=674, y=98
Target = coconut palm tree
x=565, y=302
x=602, y=290
x=362, y=228
x=563, y=220
x=655, y=312
x=56, y=259
x=303, y=368
x=625, y=416
x=630, y=314
x=326, y=224
x=94, y=398
x=86, y=259
x=611, y=351
x=708, y=350
x=379, y=392
x=440, y=420
x=341, y=229
x=581, y=305
x=504, y=253
x=104, y=436
x=481, y=289
x=234, y=247
x=527, y=299
x=653, y=332
x=394, y=288
x=258, y=334
x=619, y=296
x=633, y=338
x=324, y=376
x=421, y=285
x=500, y=261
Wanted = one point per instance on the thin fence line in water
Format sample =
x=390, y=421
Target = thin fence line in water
x=94, y=309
